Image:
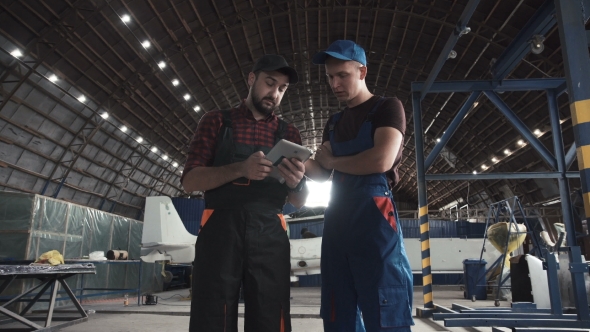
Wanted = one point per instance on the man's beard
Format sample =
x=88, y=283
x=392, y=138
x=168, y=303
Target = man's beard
x=260, y=107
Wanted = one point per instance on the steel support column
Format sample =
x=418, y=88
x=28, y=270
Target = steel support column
x=570, y=19
x=422, y=203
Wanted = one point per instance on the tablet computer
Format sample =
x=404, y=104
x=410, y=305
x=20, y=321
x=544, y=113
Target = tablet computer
x=286, y=149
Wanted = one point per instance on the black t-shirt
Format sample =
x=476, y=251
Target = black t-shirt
x=389, y=114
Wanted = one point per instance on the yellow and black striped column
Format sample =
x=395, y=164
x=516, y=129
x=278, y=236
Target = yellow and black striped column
x=576, y=61
x=423, y=209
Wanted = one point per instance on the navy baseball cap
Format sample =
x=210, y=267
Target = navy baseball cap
x=271, y=62
x=343, y=50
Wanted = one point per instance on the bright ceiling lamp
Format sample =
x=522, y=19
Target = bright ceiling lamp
x=126, y=18
x=162, y=64
x=186, y=96
x=104, y=115
x=16, y=53
x=146, y=44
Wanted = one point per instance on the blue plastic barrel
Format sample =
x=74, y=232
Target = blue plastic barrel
x=474, y=274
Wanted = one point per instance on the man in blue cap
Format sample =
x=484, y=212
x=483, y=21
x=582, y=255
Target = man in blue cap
x=365, y=269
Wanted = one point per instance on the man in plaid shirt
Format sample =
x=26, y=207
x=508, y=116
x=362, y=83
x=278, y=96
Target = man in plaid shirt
x=243, y=233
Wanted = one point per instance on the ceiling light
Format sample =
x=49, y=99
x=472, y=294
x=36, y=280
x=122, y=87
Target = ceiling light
x=537, y=45
x=123, y=129
x=465, y=31
x=16, y=53
x=520, y=142
x=197, y=108
x=452, y=54
x=484, y=167
x=175, y=82
x=537, y=132
x=474, y=172
x=475, y=104
x=162, y=64
x=186, y=97
x=104, y=115
x=154, y=149
x=494, y=159
x=165, y=157
x=126, y=18
x=82, y=98
x=52, y=78
x=506, y=152
x=146, y=44
x=437, y=140
x=139, y=139
x=175, y=164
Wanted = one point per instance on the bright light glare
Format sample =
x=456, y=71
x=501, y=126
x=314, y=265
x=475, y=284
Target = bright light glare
x=197, y=108
x=123, y=128
x=319, y=193
x=52, y=78
x=474, y=172
x=506, y=152
x=126, y=18
x=162, y=64
x=175, y=82
x=154, y=149
x=175, y=164
x=104, y=115
x=146, y=44
x=186, y=97
x=165, y=157
x=139, y=139
x=494, y=159
x=484, y=167
x=520, y=142
x=537, y=132
x=82, y=98
x=16, y=53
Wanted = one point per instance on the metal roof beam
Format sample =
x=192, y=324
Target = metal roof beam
x=444, y=54
x=507, y=85
x=539, y=24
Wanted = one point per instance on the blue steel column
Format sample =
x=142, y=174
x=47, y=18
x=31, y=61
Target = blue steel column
x=576, y=61
x=422, y=203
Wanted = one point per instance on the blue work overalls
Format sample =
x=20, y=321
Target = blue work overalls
x=365, y=270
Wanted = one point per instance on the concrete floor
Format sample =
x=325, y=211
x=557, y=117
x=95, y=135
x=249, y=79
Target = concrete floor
x=171, y=312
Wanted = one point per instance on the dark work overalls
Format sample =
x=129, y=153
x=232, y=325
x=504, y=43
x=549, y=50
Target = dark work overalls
x=364, y=263
x=242, y=239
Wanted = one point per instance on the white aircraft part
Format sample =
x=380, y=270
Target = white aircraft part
x=539, y=282
x=164, y=235
x=447, y=254
x=305, y=256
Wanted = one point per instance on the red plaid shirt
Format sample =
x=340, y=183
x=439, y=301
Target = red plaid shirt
x=246, y=130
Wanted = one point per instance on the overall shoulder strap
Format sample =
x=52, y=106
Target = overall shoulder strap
x=281, y=130
x=335, y=119
x=224, y=145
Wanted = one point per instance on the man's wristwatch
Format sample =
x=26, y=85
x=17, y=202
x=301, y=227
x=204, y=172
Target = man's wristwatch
x=299, y=186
